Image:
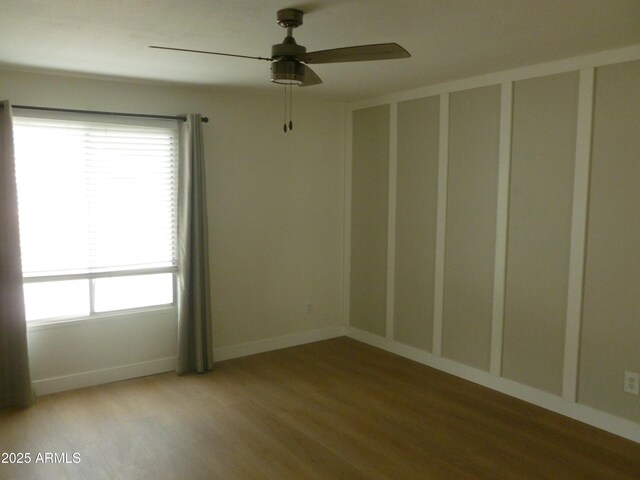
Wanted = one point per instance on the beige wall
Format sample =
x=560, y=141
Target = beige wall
x=542, y=166
x=471, y=225
x=416, y=208
x=369, y=212
x=511, y=223
x=610, y=342
x=275, y=217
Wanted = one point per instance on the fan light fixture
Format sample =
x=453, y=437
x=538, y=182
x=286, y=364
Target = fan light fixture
x=287, y=72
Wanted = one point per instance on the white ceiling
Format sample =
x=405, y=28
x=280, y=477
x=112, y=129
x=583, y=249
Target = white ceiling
x=448, y=39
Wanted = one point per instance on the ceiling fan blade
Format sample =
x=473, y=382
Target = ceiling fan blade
x=209, y=53
x=310, y=77
x=360, y=53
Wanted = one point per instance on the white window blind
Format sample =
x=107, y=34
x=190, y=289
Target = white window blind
x=97, y=196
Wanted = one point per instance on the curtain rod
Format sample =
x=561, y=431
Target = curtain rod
x=139, y=115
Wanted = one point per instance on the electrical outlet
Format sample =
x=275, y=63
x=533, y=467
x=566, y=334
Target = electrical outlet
x=632, y=382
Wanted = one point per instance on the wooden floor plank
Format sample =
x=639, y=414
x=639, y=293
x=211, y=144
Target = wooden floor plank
x=336, y=409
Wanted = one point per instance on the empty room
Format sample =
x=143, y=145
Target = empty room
x=359, y=239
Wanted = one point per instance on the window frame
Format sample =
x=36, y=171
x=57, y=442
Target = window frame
x=92, y=275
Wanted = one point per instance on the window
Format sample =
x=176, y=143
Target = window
x=97, y=205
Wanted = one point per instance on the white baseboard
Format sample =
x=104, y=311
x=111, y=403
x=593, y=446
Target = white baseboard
x=596, y=418
x=125, y=372
x=276, y=343
x=104, y=375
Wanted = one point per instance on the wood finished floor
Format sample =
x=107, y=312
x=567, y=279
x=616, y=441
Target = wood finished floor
x=336, y=409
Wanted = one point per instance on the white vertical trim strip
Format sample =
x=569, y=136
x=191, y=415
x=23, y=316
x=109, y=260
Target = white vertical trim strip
x=578, y=234
x=502, y=225
x=391, y=222
x=346, y=245
x=441, y=224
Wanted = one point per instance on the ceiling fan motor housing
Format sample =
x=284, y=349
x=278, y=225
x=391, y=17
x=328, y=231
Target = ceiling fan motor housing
x=287, y=49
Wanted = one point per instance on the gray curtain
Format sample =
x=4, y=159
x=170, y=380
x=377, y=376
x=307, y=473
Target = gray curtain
x=15, y=380
x=195, y=348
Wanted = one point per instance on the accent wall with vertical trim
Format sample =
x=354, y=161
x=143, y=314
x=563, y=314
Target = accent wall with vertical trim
x=516, y=230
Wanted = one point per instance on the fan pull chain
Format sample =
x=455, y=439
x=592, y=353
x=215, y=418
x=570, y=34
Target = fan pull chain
x=290, y=107
x=285, y=109
x=284, y=127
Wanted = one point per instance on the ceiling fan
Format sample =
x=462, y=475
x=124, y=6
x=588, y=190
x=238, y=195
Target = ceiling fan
x=289, y=60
